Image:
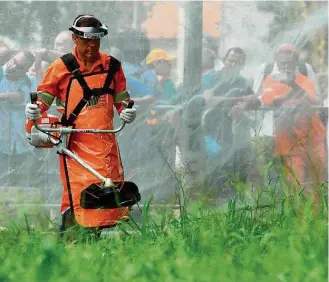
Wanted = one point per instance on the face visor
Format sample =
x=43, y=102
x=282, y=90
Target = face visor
x=89, y=32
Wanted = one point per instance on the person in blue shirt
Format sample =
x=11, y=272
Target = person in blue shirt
x=225, y=136
x=131, y=47
x=137, y=89
x=210, y=110
x=225, y=89
x=15, y=88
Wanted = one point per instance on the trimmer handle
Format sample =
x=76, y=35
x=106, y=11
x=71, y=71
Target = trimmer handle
x=34, y=97
x=130, y=104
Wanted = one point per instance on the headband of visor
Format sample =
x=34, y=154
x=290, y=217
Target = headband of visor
x=88, y=32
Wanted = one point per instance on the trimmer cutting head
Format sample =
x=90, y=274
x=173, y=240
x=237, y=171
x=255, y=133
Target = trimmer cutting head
x=125, y=194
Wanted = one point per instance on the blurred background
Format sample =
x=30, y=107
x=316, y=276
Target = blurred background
x=179, y=50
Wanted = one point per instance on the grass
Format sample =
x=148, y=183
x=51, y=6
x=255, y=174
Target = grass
x=274, y=242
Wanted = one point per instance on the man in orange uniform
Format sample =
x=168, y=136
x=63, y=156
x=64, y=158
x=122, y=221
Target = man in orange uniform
x=299, y=132
x=103, y=74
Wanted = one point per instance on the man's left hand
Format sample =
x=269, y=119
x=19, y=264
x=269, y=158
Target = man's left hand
x=128, y=115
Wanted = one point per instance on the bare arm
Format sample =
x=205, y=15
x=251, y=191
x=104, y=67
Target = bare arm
x=251, y=102
x=234, y=96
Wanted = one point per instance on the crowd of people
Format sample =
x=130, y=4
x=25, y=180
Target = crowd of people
x=287, y=84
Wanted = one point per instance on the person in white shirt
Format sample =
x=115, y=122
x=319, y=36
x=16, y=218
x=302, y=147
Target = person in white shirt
x=270, y=68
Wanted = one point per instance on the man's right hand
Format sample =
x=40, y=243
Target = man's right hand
x=32, y=111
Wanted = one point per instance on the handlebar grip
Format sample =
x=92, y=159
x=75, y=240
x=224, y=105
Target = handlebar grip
x=130, y=104
x=34, y=97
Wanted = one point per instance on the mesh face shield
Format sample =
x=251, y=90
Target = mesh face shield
x=89, y=32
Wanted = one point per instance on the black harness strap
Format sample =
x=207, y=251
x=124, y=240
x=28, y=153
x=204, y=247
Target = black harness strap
x=114, y=67
x=72, y=65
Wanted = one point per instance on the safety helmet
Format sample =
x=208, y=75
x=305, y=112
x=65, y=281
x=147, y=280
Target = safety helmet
x=157, y=55
x=88, y=32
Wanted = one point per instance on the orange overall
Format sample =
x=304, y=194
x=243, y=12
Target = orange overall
x=302, y=145
x=100, y=151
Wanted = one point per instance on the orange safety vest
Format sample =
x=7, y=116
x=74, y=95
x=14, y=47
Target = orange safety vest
x=308, y=129
x=100, y=151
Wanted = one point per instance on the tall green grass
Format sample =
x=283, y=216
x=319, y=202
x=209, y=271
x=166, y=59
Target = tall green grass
x=281, y=241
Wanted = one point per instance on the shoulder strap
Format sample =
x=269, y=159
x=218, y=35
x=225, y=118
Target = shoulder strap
x=114, y=67
x=72, y=65
x=302, y=68
x=70, y=62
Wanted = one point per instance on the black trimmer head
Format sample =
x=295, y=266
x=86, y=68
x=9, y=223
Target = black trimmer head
x=125, y=194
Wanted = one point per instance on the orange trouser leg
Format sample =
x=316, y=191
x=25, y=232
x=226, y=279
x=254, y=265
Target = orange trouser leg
x=316, y=171
x=86, y=217
x=305, y=170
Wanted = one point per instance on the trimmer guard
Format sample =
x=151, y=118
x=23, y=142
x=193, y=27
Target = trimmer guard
x=124, y=195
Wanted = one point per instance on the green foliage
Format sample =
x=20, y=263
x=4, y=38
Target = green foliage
x=272, y=238
x=243, y=243
x=284, y=15
x=291, y=15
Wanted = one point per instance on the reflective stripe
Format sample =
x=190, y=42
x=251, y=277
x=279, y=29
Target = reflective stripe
x=119, y=97
x=60, y=104
x=46, y=98
x=62, y=213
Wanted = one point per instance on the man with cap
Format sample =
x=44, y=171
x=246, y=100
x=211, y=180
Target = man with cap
x=299, y=134
x=301, y=67
x=211, y=112
x=103, y=73
x=160, y=62
x=226, y=138
x=15, y=157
